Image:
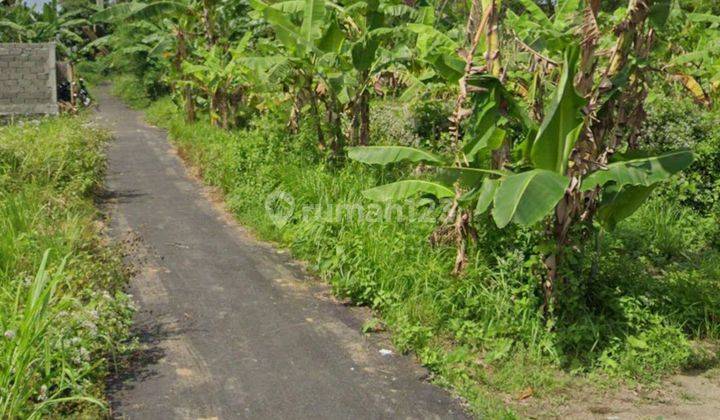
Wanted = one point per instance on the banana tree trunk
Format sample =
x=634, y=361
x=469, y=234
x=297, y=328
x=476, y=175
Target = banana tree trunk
x=364, y=110
x=177, y=64
x=208, y=22
x=316, y=118
x=334, y=119
x=578, y=206
x=354, y=128
x=190, y=114
x=365, y=118
x=214, y=115
x=224, y=112
x=492, y=38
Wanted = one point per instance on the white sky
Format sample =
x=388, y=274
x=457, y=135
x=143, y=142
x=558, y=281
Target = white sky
x=36, y=3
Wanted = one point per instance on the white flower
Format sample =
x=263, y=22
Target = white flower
x=9, y=334
x=43, y=393
x=90, y=326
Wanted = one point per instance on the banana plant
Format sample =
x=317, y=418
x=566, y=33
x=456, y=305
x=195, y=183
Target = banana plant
x=532, y=188
x=368, y=28
x=225, y=79
x=15, y=22
x=173, y=35
x=692, y=55
x=51, y=23
x=311, y=39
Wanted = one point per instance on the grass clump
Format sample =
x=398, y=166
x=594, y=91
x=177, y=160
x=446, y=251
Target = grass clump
x=484, y=333
x=127, y=88
x=63, y=314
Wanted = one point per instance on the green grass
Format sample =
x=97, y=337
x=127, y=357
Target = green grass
x=482, y=334
x=126, y=87
x=63, y=314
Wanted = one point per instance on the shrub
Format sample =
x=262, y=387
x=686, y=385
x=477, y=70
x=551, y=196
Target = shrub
x=391, y=124
x=63, y=314
x=674, y=122
x=430, y=120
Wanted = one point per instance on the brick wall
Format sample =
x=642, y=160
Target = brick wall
x=27, y=79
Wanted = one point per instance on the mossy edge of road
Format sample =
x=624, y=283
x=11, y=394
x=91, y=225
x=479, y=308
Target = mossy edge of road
x=59, y=348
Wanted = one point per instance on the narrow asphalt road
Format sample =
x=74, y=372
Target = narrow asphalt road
x=229, y=327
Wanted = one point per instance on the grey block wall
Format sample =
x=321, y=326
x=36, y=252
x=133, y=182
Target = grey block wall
x=27, y=79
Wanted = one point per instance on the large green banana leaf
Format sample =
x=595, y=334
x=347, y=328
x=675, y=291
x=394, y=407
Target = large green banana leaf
x=467, y=178
x=528, y=197
x=486, y=195
x=619, y=203
x=286, y=31
x=407, y=188
x=560, y=129
x=643, y=171
x=313, y=19
x=383, y=155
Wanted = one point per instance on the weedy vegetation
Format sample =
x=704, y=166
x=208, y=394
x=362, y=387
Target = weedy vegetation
x=63, y=315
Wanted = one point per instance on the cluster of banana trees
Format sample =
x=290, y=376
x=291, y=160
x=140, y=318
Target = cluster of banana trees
x=68, y=28
x=548, y=95
x=692, y=51
x=576, y=160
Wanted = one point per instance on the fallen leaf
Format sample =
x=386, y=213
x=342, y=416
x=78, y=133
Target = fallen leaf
x=525, y=394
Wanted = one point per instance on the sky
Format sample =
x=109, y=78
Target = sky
x=36, y=3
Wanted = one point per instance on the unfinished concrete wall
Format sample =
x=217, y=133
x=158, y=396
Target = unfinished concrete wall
x=27, y=79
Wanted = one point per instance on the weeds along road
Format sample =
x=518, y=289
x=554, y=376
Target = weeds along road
x=228, y=328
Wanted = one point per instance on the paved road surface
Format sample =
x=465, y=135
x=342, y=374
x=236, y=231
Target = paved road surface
x=230, y=328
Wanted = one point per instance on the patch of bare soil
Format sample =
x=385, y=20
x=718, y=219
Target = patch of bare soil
x=689, y=395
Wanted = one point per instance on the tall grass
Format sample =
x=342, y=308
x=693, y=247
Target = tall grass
x=62, y=310
x=27, y=349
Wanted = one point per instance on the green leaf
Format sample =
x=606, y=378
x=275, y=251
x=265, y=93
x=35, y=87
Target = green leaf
x=486, y=196
x=560, y=129
x=363, y=53
x=536, y=13
x=693, y=56
x=703, y=18
x=618, y=204
x=76, y=22
x=5, y=23
x=659, y=12
x=332, y=39
x=383, y=155
x=263, y=64
x=450, y=67
x=116, y=12
x=527, y=197
x=637, y=343
x=290, y=6
x=313, y=18
x=142, y=11
x=466, y=177
x=439, y=50
x=408, y=188
x=565, y=11
x=491, y=138
x=285, y=30
x=483, y=131
x=642, y=171
x=426, y=15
